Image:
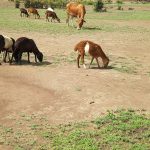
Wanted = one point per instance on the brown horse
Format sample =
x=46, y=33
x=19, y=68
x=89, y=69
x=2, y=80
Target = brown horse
x=76, y=10
x=34, y=12
x=23, y=12
x=52, y=15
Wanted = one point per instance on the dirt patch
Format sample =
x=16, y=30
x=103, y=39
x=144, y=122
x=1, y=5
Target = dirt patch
x=64, y=93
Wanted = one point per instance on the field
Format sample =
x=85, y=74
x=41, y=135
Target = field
x=50, y=105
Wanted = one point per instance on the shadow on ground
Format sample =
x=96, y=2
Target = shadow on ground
x=25, y=62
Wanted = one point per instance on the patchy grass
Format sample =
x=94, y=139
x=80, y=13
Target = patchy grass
x=125, y=69
x=96, y=22
x=148, y=74
x=130, y=65
x=121, y=129
x=59, y=59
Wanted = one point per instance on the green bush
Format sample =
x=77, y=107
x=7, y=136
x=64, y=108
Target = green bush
x=98, y=5
x=45, y=3
x=17, y=3
x=119, y=3
x=88, y=2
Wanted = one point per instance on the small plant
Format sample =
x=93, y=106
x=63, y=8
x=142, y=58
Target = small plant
x=98, y=5
x=17, y=3
x=119, y=3
x=109, y=1
x=27, y=3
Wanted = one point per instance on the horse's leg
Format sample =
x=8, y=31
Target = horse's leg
x=72, y=21
x=47, y=19
x=97, y=62
x=28, y=57
x=19, y=57
x=91, y=61
x=0, y=53
x=9, y=56
x=82, y=59
x=4, y=56
x=35, y=58
x=67, y=20
x=78, y=58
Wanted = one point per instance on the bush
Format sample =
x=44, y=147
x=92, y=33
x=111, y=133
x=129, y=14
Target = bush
x=17, y=3
x=45, y=3
x=98, y=5
x=88, y=2
x=27, y=4
x=119, y=2
x=108, y=1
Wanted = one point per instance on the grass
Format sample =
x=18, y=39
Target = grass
x=10, y=19
x=121, y=129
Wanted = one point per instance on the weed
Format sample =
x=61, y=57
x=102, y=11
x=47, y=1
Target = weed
x=120, y=129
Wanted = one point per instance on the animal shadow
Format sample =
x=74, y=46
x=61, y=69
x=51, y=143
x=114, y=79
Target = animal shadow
x=101, y=68
x=92, y=28
x=26, y=63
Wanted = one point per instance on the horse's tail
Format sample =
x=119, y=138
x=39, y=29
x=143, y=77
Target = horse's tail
x=13, y=45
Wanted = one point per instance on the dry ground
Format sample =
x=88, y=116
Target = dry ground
x=62, y=92
x=57, y=89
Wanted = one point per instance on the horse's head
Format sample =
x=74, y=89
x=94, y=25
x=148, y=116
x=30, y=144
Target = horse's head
x=105, y=62
x=38, y=16
x=40, y=56
x=58, y=19
x=27, y=14
x=80, y=22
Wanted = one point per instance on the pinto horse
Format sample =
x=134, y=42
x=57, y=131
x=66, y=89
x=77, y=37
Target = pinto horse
x=6, y=46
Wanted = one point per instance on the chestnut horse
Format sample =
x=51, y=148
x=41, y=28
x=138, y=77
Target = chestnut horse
x=34, y=12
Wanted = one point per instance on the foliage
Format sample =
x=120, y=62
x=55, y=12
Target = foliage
x=121, y=129
x=45, y=3
x=119, y=3
x=98, y=5
x=108, y=1
x=17, y=3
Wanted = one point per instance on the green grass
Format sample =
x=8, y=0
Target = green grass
x=121, y=129
x=96, y=22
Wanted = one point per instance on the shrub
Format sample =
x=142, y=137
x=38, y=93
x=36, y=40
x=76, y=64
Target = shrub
x=27, y=4
x=119, y=3
x=17, y=3
x=98, y=5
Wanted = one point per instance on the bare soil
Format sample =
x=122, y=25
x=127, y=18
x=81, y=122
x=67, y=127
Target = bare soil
x=62, y=92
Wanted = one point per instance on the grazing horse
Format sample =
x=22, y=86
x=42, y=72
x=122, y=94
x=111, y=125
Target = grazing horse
x=34, y=12
x=76, y=10
x=51, y=14
x=24, y=44
x=6, y=46
x=23, y=12
x=93, y=49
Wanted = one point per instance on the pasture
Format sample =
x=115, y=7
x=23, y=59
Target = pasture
x=36, y=98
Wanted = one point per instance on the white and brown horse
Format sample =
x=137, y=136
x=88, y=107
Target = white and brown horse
x=6, y=46
x=93, y=49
